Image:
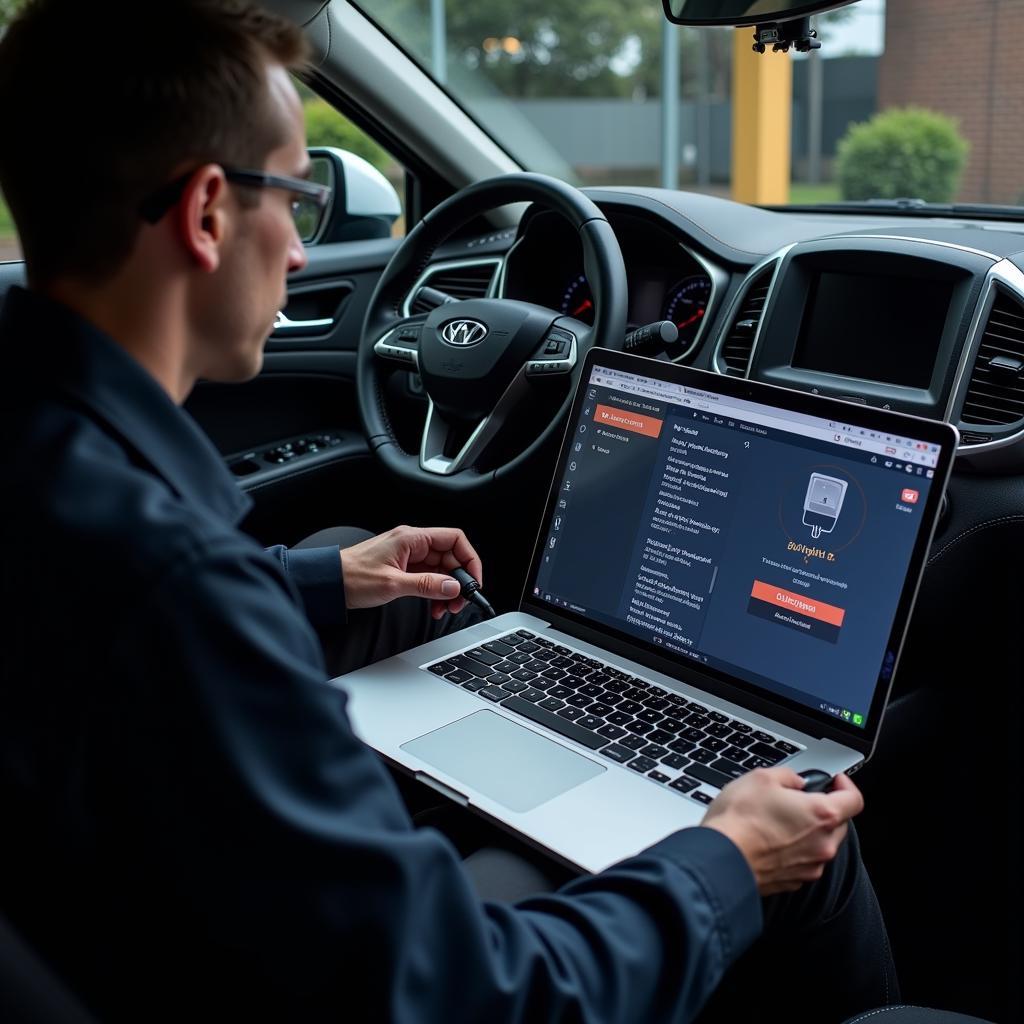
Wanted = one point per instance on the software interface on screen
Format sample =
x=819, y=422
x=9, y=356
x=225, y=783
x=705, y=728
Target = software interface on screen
x=769, y=544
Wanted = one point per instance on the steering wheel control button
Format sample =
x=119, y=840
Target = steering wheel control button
x=556, y=354
x=404, y=355
x=544, y=367
x=400, y=344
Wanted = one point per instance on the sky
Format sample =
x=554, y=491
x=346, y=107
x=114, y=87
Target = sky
x=864, y=32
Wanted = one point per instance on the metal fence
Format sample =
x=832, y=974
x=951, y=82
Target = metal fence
x=616, y=137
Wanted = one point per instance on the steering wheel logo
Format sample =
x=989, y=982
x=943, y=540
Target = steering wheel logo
x=463, y=333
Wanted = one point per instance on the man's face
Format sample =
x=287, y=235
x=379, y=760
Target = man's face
x=262, y=246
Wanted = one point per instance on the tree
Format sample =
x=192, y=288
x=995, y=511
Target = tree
x=588, y=48
x=326, y=127
x=544, y=48
x=8, y=9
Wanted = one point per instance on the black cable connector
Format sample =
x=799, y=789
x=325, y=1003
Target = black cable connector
x=471, y=592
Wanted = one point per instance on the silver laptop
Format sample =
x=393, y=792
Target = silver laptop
x=722, y=580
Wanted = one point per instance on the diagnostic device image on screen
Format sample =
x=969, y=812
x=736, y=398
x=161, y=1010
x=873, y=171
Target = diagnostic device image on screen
x=823, y=503
x=769, y=544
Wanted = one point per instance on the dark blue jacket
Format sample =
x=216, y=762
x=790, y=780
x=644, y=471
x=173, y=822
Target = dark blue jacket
x=190, y=827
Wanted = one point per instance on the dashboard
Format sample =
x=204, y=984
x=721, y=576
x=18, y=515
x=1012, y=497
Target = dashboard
x=923, y=315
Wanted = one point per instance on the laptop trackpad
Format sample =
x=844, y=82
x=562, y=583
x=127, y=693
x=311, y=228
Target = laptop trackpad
x=507, y=762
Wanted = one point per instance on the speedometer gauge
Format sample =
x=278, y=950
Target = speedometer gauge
x=577, y=300
x=685, y=305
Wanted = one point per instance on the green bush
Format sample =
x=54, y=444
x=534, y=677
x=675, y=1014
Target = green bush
x=902, y=152
x=7, y=231
x=326, y=127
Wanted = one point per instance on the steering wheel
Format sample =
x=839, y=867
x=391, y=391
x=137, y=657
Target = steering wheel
x=482, y=359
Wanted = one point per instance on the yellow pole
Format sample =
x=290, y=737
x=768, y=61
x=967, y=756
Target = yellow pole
x=762, y=107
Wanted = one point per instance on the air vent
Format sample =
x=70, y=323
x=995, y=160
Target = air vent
x=995, y=395
x=734, y=355
x=460, y=280
x=968, y=437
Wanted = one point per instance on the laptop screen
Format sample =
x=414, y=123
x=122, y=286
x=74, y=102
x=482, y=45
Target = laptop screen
x=768, y=544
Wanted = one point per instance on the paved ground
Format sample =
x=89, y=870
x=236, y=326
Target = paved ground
x=9, y=250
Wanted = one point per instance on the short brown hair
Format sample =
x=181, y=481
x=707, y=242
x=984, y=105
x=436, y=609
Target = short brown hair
x=101, y=101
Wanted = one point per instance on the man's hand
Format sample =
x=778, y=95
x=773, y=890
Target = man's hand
x=786, y=835
x=409, y=561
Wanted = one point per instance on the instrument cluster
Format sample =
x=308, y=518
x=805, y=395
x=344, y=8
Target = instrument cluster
x=667, y=281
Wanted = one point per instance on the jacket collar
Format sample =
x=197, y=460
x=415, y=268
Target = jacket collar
x=49, y=348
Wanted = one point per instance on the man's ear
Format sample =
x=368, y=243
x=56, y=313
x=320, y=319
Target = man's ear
x=202, y=216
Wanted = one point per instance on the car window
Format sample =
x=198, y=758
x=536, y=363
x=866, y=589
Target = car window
x=9, y=248
x=325, y=126
x=607, y=92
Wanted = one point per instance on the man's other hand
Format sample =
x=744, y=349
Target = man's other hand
x=409, y=561
x=786, y=835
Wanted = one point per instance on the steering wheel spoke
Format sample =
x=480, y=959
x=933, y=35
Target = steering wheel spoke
x=400, y=343
x=582, y=332
x=448, y=447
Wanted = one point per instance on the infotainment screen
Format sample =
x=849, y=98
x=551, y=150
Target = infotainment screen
x=874, y=327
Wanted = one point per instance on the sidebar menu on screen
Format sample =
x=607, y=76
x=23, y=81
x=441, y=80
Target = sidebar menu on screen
x=604, y=485
x=642, y=516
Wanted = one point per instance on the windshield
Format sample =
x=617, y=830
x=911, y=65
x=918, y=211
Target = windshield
x=900, y=101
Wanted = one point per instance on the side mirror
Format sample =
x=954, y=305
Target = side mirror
x=364, y=204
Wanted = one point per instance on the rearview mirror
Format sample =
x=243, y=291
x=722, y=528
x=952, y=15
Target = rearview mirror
x=742, y=12
x=364, y=204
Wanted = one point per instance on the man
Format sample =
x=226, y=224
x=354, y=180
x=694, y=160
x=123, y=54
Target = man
x=191, y=830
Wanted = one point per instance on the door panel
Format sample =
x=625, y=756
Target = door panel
x=336, y=284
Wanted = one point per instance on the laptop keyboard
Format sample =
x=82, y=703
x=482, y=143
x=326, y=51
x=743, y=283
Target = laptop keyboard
x=675, y=742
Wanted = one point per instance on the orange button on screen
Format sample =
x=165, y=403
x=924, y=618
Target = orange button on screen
x=623, y=419
x=799, y=603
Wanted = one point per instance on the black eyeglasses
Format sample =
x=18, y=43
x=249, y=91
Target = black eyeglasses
x=309, y=198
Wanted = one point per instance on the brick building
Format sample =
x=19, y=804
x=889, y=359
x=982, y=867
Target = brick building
x=966, y=59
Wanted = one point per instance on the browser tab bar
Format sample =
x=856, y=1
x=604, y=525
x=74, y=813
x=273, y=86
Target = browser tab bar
x=845, y=435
